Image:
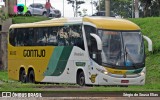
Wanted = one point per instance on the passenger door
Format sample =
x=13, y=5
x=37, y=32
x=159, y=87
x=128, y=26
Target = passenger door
x=92, y=52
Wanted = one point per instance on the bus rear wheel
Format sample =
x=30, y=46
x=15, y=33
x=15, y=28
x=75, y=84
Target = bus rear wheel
x=81, y=79
x=31, y=77
x=22, y=76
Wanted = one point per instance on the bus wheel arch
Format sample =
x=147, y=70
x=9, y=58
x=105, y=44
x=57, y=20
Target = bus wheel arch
x=22, y=75
x=80, y=77
x=31, y=75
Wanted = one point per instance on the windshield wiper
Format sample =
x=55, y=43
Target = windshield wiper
x=133, y=63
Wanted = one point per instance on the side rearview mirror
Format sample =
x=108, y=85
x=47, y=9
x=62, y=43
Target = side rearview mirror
x=150, y=48
x=98, y=40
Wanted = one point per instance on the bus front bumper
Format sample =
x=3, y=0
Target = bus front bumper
x=109, y=80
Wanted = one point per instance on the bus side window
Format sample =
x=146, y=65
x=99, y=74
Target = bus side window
x=28, y=37
x=63, y=36
x=35, y=35
x=19, y=37
x=42, y=35
x=52, y=36
x=76, y=36
x=12, y=37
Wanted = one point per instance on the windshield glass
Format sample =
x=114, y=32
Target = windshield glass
x=112, y=47
x=121, y=48
x=133, y=48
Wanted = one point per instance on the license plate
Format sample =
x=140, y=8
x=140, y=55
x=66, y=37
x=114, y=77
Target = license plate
x=124, y=81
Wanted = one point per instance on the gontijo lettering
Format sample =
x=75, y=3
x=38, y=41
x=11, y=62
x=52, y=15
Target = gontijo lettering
x=34, y=53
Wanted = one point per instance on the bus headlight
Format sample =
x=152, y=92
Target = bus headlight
x=106, y=72
x=102, y=71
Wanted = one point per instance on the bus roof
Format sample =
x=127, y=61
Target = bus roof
x=100, y=22
x=112, y=23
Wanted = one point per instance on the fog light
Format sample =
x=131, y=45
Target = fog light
x=142, y=73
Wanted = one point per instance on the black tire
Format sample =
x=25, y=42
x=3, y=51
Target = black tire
x=45, y=14
x=81, y=79
x=31, y=77
x=28, y=13
x=22, y=76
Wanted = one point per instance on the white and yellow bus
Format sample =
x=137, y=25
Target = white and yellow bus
x=89, y=50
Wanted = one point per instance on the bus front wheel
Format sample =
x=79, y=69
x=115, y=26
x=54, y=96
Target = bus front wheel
x=81, y=79
x=31, y=77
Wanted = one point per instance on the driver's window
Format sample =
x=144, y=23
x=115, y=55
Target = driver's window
x=91, y=42
x=88, y=30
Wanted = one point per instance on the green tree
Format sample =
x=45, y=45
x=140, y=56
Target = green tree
x=76, y=5
x=124, y=7
x=146, y=6
x=118, y=7
x=101, y=5
x=79, y=13
x=150, y=7
x=3, y=16
x=84, y=12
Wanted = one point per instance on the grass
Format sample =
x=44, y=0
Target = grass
x=3, y=76
x=16, y=86
x=28, y=19
x=10, y=85
x=150, y=27
x=146, y=87
x=153, y=68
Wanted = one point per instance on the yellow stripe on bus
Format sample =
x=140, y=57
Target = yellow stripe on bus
x=116, y=71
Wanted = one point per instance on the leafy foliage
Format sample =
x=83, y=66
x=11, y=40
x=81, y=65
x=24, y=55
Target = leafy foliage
x=28, y=19
x=124, y=7
x=76, y=5
x=118, y=7
x=3, y=16
x=150, y=7
x=151, y=28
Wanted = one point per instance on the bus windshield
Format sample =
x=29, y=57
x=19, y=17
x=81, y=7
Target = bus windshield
x=122, y=49
x=133, y=47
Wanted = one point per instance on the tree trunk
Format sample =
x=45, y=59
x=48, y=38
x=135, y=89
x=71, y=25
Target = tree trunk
x=136, y=9
x=146, y=10
x=107, y=7
x=11, y=4
x=3, y=51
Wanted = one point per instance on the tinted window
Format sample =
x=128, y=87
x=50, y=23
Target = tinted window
x=75, y=36
x=70, y=36
x=12, y=37
x=88, y=30
x=50, y=36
